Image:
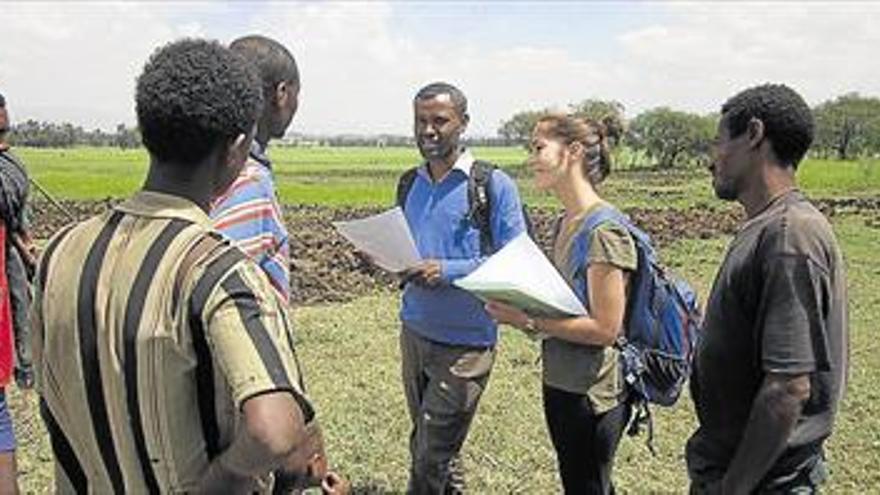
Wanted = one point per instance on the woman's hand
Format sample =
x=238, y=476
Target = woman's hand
x=505, y=313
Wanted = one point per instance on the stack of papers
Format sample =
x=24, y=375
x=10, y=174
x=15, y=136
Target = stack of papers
x=385, y=237
x=521, y=275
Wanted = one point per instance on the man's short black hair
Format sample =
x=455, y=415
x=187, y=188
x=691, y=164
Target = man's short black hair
x=441, y=88
x=2, y=101
x=788, y=121
x=274, y=61
x=194, y=95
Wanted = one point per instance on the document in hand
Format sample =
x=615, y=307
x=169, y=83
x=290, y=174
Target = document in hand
x=384, y=237
x=520, y=275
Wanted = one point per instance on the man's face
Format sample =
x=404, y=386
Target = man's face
x=438, y=127
x=283, y=107
x=287, y=107
x=730, y=163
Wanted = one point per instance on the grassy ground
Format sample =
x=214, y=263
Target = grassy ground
x=508, y=450
x=350, y=352
x=363, y=176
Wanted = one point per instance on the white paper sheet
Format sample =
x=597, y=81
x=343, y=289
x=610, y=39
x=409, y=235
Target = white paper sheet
x=521, y=275
x=384, y=237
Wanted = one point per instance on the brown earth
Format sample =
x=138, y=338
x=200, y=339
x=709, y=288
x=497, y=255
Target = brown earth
x=325, y=268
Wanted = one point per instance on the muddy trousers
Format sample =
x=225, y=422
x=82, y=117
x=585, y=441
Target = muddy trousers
x=443, y=384
x=585, y=442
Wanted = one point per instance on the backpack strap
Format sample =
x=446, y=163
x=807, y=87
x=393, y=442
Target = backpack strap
x=557, y=229
x=404, y=184
x=479, y=203
x=580, y=248
x=478, y=196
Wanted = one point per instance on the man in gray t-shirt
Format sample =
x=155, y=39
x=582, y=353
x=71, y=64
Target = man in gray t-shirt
x=770, y=368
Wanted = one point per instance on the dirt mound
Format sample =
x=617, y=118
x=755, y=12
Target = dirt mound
x=326, y=269
x=48, y=218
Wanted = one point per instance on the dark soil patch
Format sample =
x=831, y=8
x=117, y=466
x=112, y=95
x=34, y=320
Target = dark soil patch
x=325, y=268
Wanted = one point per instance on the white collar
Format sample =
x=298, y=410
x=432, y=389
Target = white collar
x=464, y=163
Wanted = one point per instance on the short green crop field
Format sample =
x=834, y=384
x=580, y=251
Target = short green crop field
x=367, y=176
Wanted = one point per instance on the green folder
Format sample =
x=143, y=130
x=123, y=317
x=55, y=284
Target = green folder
x=519, y=297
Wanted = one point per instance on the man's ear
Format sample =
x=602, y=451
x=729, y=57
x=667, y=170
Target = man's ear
x=284, y=90
x=237, y=150
x=755, y=129
x=465, y=120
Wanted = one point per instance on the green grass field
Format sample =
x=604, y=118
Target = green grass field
x=351, y=356
x=366, y=176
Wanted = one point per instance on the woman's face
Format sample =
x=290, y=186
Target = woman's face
x=548, y=159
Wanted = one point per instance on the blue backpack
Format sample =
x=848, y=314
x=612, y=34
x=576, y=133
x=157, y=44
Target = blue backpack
x=661, y=326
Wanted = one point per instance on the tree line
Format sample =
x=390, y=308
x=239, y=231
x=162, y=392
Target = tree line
x=51, y=135
x=847, y=127
x=36, y=134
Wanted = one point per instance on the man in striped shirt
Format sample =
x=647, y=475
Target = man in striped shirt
x=248, y=212
x=163, y=359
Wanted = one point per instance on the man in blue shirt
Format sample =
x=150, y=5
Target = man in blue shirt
x=448, y=340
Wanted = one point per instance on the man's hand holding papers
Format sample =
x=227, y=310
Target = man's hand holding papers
x=384, y=239
x=427, y=272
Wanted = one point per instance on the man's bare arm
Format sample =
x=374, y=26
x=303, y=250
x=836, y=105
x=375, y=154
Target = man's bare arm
x=774, y=415
x=273, y=429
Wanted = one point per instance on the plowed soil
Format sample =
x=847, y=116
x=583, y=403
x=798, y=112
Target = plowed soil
x=325, y=268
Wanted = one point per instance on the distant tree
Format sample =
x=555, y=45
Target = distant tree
x=609, y=112
x=848, y=126
x=671, y=138
x=518, y=129
x=127, y=137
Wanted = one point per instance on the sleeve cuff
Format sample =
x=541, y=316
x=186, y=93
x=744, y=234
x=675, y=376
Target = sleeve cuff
x=789, y=367
x=453, y=270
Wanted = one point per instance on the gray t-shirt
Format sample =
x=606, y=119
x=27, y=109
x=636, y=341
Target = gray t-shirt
x=778, y=305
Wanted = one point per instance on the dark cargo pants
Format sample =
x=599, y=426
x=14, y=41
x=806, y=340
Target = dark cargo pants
x=19, y=297
x=804, y=481
x=443, y=384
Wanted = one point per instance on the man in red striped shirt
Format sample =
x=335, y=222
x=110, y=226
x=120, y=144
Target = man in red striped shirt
x=249, y=212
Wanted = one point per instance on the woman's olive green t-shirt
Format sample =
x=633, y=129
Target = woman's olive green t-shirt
x=589, y=369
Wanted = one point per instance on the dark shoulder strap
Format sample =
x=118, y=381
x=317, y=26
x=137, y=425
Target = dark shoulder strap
x=580, y=247
x=479, y=202
x=557, y=229
x=404, y=184
x=602, y=214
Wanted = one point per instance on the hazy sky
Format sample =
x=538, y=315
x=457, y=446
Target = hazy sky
x=362, y=62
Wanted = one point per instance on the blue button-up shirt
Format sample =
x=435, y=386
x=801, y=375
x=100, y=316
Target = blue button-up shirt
x=437, y=213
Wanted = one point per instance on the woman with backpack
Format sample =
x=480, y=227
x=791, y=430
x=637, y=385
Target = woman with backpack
x=584, y=395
